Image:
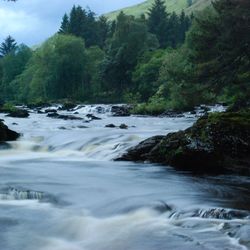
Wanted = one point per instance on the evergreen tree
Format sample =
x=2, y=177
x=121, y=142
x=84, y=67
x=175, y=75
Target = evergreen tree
x=174, y=30
x=158, y=22
x=64, y=29
x=103, y=27
x=9, y=45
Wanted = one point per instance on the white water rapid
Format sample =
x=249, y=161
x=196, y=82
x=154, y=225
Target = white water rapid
x=60, y=190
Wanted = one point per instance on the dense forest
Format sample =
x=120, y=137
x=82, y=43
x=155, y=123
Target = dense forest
x=159, y=61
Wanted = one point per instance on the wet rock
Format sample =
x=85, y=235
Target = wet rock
x=123, y=126
x=110, y=126
x=100, y=110
x=63, y=117
x=81, y=126
x=19, y=113
x=217, y=143
x=92, y=117
x=50, y=111
x=68, y=106
x=120, y=110
x=6, y=134
x=139, y=152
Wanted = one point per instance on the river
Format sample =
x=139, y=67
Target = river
x=60, y=190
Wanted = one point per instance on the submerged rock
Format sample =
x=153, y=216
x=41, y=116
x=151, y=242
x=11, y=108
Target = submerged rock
x=217, y=143
x=6, y=134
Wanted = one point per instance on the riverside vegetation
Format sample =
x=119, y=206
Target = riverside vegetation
x=159, y=61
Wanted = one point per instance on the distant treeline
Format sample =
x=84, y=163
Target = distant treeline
x=163, y=60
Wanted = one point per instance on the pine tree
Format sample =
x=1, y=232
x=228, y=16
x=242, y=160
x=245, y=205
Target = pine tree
x=103, y=27
x=9, y=45
x=158, y=22
x=64, y=29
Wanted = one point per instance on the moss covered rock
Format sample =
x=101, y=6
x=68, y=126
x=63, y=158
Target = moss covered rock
x=217, y=143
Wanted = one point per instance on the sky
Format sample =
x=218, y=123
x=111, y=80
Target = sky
x=33, y=21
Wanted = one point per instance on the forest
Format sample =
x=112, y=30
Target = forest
x=158, y=61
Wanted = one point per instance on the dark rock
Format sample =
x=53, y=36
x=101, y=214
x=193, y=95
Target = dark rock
x=110, y=126
x=63, y=117
x=138, y=153
x=92, y=117
x=19, y=113
x=218, y=143
x=100, y=110
x=120, y=110
x=50, y=111
x=6, y=134
x=14, y=123
x=76, y=113
x=123, y=126
x=81, y=126
x=68, y=106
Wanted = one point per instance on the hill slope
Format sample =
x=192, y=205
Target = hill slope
x=172, y=5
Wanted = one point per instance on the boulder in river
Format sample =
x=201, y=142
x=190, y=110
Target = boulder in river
x=63, y=117
x=19, y=113
x=6, y=134
x=120, y=110
x=123, y=126
x=110, y=126
x=92, y=117
x=217, y=143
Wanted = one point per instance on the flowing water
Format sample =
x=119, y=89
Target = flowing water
x=60, y=190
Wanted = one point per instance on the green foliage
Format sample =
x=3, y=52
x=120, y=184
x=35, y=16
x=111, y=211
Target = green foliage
x=82, y=23
x=13, y=65
x=128, y=43
x=55, y=71
x=146, y=73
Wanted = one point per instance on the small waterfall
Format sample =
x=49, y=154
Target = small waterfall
x=212, y=213
x=15, y=194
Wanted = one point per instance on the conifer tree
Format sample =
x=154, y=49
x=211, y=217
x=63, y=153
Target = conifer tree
x=64, y=29
x=158, y=22
x=9, y=45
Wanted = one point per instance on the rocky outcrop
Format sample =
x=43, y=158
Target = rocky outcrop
x=6, y=134
x=19, y=113
x=121, y=110
x=218, y=143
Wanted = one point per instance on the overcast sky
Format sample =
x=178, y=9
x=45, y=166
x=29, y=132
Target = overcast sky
x=33, y=21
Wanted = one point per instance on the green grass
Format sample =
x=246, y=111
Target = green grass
x=172, y=5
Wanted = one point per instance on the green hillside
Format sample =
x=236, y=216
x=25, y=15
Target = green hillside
x=172, y=5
